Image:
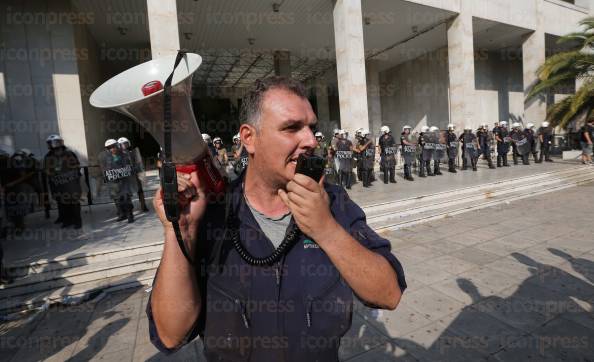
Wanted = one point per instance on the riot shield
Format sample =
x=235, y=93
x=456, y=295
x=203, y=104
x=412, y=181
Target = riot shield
x=428, y=148
x=440, y=146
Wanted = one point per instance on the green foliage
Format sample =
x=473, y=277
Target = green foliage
x=563, y=67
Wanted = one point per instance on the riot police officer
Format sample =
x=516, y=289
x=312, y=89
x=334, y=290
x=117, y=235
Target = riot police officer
x=426, y=148
x=344, y=157
x=408, y=145
x=118, y=174
x=503, y=141
x=484, y=141
x=545, y=136
x=452, y=147
x=321, y=150
x=63, y=175
x=136, y=161
x=440, y=149
x=388, y=152
x=469, y=148
x=211, y=148
x=530, y=135
x=520, y=146
x=240, y=156
x=357, y=155
x=366, y=150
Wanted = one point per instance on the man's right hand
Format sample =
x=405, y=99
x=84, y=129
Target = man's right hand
x=192, y=207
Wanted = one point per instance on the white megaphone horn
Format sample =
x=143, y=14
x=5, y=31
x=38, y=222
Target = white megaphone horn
x=138, y=93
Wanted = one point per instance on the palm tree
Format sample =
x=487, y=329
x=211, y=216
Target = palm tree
x=565, y=67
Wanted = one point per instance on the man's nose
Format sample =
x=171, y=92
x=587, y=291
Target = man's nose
x=309, y=140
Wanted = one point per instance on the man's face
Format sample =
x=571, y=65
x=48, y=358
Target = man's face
x=285, y=132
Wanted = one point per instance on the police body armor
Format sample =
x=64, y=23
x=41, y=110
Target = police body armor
x=119, y=173
x=469, y=147
x=408, y=151
x=452, y=145
x=427, y=146
x=521, y=142
x=440, y=146
x=344, y=155
x=388, y=150
x=63, y=171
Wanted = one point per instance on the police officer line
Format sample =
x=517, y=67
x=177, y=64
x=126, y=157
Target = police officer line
x=135, y=265
x=399, y=214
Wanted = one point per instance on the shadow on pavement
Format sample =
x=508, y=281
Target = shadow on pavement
x=548, y=317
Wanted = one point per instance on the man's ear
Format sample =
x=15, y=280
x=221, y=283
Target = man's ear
x=248, y=136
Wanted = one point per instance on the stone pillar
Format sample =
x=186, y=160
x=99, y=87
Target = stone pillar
x=350, y=64
x=461, y=69
x=163, y=27
x=282, y=63
x=373, y=97
x=533, y=56
x=323, y=106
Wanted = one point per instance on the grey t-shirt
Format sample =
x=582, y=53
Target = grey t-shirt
x=274, y=229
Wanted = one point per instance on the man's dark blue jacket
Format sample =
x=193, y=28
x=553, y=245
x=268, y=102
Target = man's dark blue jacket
x=296, y=310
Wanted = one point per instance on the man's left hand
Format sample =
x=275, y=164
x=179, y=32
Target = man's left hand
x=309, y=204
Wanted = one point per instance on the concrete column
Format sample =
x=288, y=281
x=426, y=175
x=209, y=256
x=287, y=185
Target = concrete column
x=282, y=63
x=461, y=69
x=533, y=56
x=373, y=97
x=350, y=64
x=163, y=27
x=321, y=89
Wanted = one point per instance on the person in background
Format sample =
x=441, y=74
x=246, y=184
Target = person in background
x=136, y=160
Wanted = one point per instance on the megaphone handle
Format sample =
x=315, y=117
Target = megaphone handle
x=208, y=174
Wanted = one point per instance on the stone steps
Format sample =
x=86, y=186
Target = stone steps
x=53, y=281
x=410, y=212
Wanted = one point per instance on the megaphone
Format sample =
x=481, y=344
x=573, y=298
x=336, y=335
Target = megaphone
x=138, y=94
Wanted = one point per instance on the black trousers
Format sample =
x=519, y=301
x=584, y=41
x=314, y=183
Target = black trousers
x=389, y=173
x=345, y=179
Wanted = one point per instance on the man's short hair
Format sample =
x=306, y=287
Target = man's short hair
x=251, y=107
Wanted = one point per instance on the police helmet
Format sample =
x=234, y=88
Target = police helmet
x=110, y=142
x=424, y=128
x=359, y=131
x=26, y=152
x=123, y=140
x=336, y=131
x=319, y=135
x=468, y=127
x=385, y=129
x=503, y=123
x=55, y=141
x=545, y=124
x=217, y=140
x=406, y=127
x=206, y=138
x=530, y=125
x=341, y=131
x=451, y=127
x=365, y=132
x=434, y=129
x=516, y=125
x=236, y=137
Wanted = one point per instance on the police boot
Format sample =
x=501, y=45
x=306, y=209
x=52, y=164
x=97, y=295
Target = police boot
x=122, y=212
x=386, y=176
x=407, y=173
x=422, y=169
x=428, y=167
x=365, y=178
x=499, y=160
x=436, y=169
x=451, y=166
x=393, y=174
x=473, y=162
x=525, y=159
x=505, y=161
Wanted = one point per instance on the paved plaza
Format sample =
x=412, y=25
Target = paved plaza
x=513, y=282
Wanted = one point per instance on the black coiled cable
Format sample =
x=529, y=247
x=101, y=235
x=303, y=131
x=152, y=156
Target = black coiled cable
x=289, y=240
